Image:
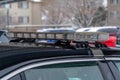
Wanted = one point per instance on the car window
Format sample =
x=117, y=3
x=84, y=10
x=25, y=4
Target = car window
x=118, y=33
x=61, y=31
x=118, y=36
x=108, y=30
x=1, y=32
x=17, y=77
x=87, y=30
x=67, y=71
x=117, y=63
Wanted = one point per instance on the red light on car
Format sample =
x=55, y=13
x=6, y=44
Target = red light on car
x=113, y=34
x=111, y=42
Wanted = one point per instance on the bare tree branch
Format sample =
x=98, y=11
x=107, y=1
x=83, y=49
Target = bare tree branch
x=83, y=13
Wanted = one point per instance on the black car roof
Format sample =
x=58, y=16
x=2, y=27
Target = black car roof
x=15, y=56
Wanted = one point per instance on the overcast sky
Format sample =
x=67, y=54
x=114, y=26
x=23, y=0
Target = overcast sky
x=105, y=3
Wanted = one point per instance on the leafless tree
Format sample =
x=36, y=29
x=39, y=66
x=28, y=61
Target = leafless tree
x=82, y=13
x=54, y=13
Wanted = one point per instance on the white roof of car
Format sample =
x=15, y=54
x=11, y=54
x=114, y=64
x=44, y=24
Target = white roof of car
x=94, y=29
x=82, y=29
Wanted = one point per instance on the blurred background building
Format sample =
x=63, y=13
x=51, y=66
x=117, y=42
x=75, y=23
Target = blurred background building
x=20, y=13
x=82, y=13
x=114, y=12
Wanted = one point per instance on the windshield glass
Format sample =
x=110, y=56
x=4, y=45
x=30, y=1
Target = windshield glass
x=117, y=63
x=66, y=71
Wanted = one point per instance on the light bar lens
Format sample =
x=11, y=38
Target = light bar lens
x=103, y=37
x=91, y=36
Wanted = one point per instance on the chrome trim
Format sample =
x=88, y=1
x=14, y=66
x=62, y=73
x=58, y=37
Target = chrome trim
x=43, y=64
x=113, y=58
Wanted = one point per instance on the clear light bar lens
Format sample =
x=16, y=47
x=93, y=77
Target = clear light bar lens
x=91, y=36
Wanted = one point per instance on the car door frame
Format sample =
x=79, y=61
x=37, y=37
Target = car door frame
x=35, y=63
x=112, y=66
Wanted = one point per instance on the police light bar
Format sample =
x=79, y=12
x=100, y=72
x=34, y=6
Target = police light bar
x=81, y=36
x=88, y=36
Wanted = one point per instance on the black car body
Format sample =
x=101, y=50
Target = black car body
x=62, y=64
